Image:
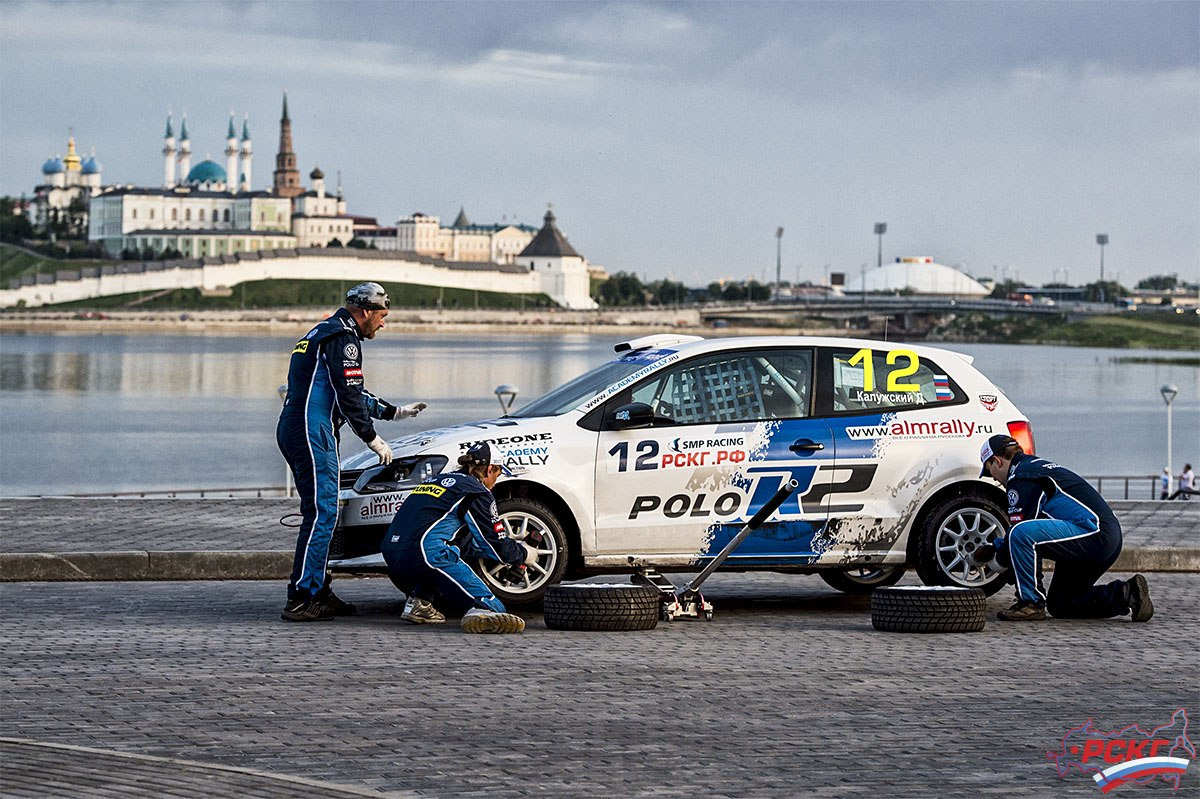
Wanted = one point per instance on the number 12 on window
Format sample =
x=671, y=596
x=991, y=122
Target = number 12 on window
x=864, y=357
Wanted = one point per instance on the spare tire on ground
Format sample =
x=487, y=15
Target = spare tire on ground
x=928, y=609
x=593, y=606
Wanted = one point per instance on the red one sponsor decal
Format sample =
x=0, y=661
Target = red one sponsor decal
x=988, y=401
x=354, y=373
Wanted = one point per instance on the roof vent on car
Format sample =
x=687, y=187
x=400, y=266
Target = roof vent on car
x=660, y=340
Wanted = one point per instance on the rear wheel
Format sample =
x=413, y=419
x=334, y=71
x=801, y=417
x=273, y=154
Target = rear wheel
x=949, y=533
x=532, y=522
x=863, y=579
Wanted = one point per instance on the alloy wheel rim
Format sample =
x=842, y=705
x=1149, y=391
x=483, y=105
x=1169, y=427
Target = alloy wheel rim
x=959, y=536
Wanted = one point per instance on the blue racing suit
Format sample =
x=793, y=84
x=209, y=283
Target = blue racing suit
x=325, y=390
x=1056, y=514
x=445, y=519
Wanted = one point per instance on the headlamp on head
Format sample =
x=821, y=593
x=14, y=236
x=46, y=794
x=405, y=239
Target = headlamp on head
x=368, y=296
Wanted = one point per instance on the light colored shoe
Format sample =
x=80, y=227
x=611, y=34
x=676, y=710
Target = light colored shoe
x=477, y=620
x=420, y=611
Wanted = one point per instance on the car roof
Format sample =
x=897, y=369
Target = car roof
x=694, y=345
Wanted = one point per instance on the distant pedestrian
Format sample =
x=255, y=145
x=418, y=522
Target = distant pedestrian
x=1187, y=481
x=1056, y=514
x=325, y=390
x=1165, y=483
x=447, y=519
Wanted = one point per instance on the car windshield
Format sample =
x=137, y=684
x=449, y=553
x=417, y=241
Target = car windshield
x=574, y=393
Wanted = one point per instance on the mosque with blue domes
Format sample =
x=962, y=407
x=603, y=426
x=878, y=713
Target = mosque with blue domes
x=206, y=209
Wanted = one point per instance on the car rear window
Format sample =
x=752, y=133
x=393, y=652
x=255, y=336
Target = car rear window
x=877, y=379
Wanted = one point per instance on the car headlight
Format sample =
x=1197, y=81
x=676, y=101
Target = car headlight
x=400, y=474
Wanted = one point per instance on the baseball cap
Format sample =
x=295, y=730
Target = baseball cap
x=994, y=445
x=481, y=453
x=369, y=296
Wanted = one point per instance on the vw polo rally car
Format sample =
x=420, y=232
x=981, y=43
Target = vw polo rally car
x=658, y=457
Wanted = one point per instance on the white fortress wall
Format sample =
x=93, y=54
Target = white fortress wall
x=567, y=292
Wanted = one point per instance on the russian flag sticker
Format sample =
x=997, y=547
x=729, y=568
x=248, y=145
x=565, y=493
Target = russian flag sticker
x=941, y=386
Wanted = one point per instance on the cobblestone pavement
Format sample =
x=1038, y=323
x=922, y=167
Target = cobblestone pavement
x=49, y=524
x=789, y=692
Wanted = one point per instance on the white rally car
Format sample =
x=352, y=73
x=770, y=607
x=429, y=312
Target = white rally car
x=658, y=457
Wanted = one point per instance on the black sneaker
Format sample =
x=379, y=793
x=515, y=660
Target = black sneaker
x=1137, y=594
x=307, y=610
x=1023, y=610
x=339, y=606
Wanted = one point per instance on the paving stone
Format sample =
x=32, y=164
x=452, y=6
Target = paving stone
x=788, y=692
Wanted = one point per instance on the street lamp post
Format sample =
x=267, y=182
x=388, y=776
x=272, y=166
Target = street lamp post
x=287, y=470
x=880, y=229
x=1168, y=394
x=778, y=260
x=1102, y=239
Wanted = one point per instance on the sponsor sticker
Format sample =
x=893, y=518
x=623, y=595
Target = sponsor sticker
x=353, y=373
x=1126, y=755
x=908, y=429
x=380, y=507
x=351, y=352
x=431, y=489
x=301, y=346
x=988, y=401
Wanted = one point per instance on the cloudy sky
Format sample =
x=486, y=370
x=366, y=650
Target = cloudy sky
x=672, y=138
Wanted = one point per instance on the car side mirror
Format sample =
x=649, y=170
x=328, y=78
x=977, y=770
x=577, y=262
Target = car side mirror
x=627, y=417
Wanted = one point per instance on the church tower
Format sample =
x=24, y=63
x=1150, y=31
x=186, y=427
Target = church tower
x=287, y=177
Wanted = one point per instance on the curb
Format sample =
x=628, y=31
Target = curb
x=145, y=565
x=277, y=564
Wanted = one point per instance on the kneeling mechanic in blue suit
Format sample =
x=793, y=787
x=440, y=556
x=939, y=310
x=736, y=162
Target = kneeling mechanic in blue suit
x=1056, y=514
x=447, y=518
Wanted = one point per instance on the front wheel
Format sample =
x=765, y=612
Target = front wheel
x=532, y=522
x=862, y=579
x=949, y=533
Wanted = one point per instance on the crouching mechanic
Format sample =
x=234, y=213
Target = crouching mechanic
x=1056, y=514
x=325, y=389
x=445, y=519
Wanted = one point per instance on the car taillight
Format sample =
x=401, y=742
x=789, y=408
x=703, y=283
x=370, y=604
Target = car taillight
x=1023, y=433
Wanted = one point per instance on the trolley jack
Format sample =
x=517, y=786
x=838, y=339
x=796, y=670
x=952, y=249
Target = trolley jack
x=690, y=603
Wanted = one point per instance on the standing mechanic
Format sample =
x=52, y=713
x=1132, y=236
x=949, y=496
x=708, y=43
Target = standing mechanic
x=325, y=390
x=1056, y=514
x=446, y=518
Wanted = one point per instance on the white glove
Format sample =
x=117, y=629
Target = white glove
x=531, y=554
x=381, y=448
x=407, y=411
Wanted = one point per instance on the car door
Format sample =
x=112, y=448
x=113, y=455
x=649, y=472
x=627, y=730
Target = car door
x=892, y=413
x=725, y=431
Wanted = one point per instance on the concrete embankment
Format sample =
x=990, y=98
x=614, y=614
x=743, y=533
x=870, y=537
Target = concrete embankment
x=49, y=539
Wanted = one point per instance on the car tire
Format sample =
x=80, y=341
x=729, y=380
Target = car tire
x=863, y=579
x=922, y=609
x=948, y=532
x=527, y=519
x=602, y=607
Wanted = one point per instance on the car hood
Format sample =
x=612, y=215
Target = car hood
x=442, y=437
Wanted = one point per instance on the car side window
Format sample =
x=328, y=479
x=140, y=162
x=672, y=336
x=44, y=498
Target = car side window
x=881, y=379
x=732, y=387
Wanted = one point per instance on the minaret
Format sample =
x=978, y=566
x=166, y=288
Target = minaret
x=185, y=151
x=231, y=158
x=287, y=177
x=169, y=156
x=247, y=154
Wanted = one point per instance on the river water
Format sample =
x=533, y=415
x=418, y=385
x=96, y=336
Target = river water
x=137, y=412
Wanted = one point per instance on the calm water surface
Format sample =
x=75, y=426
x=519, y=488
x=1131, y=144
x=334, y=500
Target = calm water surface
x=108, y=413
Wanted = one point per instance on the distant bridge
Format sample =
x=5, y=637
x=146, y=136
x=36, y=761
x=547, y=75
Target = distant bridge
x=902, y=309
x=218, y=273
